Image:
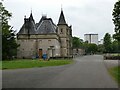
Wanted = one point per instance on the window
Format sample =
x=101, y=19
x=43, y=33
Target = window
x=49, y=40
x=40, y=41
x=61, y=31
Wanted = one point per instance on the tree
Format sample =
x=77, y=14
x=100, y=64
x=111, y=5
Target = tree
x=77, y=43
x=116, y=21
x=90, y=48
x=93, y=47
x=9, y=45
x=101, y=48
x=115, y=46
x=107, y=43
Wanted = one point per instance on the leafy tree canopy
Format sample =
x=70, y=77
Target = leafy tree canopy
x=77, y=42
x=116, y=21
x=107, y=43
x=9, y=45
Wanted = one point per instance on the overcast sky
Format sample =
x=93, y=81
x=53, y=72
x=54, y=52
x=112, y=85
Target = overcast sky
x=85, y=16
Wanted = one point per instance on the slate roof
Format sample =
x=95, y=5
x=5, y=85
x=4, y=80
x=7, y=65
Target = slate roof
x=61, y=19
x=28, y=27
x=46, y=26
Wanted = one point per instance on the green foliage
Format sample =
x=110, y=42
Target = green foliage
x=116, y=20
x=93, y=48
x=9, y=45
x=115, y=46
x=77, y=43
x=109, y=46
x=107, y=43
x=14, y=64
x=101, y=48
x=90, y=48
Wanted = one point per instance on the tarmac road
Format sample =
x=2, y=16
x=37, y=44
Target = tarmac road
x=86, y=72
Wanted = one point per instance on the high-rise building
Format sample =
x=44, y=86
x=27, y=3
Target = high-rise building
x=91, y=38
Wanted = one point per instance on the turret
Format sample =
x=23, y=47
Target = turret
x=62, y=19
x=63, y=34
x=31, y=17
x=62, y=25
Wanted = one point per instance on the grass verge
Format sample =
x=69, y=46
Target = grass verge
x=16, y=64
x=115, y=72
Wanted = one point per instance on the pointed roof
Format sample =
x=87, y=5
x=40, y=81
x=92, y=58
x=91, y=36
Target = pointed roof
x=28, y=26
x=61, y=19
x=31, y=16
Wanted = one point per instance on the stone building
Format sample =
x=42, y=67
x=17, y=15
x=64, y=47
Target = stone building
x=44, y=37
x=78, y=51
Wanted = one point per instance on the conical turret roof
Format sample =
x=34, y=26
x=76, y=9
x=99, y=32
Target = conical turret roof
x=61, y=19
x=31, y=17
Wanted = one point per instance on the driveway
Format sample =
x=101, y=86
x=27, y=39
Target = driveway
x=86, y=72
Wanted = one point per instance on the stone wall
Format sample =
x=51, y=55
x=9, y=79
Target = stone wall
x=29, y=47
x=49, y=46
x=65, y=38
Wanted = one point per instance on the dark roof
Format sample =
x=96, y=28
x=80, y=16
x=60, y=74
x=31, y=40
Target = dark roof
x=36, y=25
x=28, y=27
x=46, y=26
x=31, y=17
x=43, y=17
x=61, y=19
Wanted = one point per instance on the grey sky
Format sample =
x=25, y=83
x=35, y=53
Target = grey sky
x=85, y=16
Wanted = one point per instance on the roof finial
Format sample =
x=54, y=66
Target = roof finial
x=61, y=7
x=31, y=10
x=62, y=19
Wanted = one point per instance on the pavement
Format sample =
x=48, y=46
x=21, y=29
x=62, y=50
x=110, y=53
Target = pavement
x=85, y=72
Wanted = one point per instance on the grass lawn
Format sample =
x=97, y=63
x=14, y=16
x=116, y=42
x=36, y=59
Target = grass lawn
x=115, y=72
x=0, y=64
x=116, y=54
x=16, y=64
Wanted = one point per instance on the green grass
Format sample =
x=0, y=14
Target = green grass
x=115, y=54
x=115, y=72
x=0, y=64
x=16, y=64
